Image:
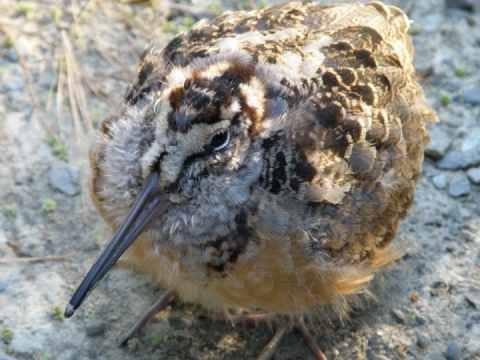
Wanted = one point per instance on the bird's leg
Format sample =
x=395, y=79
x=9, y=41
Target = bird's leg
x=269, y=350
x=161, y=303
x=282, y=330
x=299, y=324
x=309, y=339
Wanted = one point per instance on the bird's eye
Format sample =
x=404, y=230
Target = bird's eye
x=220, y=140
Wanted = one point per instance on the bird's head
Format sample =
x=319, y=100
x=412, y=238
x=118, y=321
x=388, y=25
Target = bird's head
x=182, y=165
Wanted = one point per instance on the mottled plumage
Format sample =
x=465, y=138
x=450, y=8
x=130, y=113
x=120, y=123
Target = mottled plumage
x=285, y=146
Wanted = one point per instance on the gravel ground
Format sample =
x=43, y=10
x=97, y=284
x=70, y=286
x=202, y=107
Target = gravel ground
x=64, y=65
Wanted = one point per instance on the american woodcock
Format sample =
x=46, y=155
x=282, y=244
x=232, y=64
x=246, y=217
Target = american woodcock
x=263, y=160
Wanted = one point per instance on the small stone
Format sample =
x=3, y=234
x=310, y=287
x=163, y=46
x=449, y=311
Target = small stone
x=440, y=141
x=473, y=301
x=399, y=315
x=453, y=85
x=422, y=61
x=465, y=213
x=47, y=79
x=460, y=4
x=23, y=46
x=453, y=351
x=432, y=22
x=95, y=327
x=454, y=160
x=420, y=320
x=13, y=78
x=440, y=181
x=452, y=249
x=12, y=54
x=65, y=179
x=472, y=96
x=459, y=186
x=379, y=357
x=3, y=287
x=176, y=322
x=423, y=341
x=4, y=356
x=474, y=175
x=471, y=146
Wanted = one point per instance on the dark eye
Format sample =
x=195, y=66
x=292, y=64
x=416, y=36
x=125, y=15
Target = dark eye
x=220, y=140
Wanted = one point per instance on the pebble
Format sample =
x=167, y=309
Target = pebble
x=460, y=4
x=4, y=356
x=95, y=327
x=176, y=322
x=472, y=96
x=459, y=186
x=471, y=146
x=3, y=287
x=420, y=320
x=422, y=61
x=12, y=54
x=47, y=79
x=474, y=175
x=13, y=78
x=379, y=357
x=23, y=46
x=454, y=160
x=432, y=22
x=423, y=341
x=440, y=141
x=440, y=181
x=399, y=315
x=473, y=301
x=453, y=85
x=453, y=352
x=65, y=179
x=465, y=213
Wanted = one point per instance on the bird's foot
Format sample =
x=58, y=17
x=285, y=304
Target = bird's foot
x=269, y=350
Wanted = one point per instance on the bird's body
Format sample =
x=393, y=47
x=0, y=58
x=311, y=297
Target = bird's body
x=285, y=146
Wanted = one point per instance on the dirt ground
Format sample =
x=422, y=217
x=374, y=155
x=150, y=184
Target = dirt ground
x=64, y=65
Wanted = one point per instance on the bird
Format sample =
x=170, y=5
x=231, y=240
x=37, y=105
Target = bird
x=264, y=160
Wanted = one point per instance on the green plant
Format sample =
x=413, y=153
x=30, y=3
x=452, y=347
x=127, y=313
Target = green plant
x=24, y=9
x=48, y=206
x=8, y=41
x=133, y=345
x=414, y=30
x=445, y=100
x=57, y=148
x=10, y=212
x=157, y=341
x=57, y=312
x=460, y=71
x=7, y=335
x=188, y=21
x=214, y=6
x=56, y=13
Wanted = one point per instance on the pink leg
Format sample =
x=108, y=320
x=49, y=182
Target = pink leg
x=309, y=340
x=269, y=350
x=272, y=346
x=164, y=300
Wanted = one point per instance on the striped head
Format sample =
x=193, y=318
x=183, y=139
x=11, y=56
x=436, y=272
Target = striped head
x=201, y=135
x=181, y=165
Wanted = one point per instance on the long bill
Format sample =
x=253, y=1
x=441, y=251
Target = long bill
x=149, y=205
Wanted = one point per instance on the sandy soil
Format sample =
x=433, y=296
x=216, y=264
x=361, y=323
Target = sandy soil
x=76, y=59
